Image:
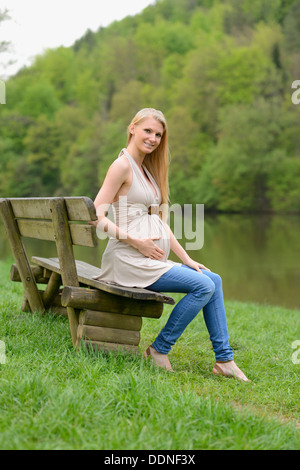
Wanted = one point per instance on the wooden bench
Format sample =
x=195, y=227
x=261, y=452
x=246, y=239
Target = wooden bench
x=101, y=315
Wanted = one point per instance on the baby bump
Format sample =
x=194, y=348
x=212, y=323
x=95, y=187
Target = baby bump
x=151, y=226
x=164, y=244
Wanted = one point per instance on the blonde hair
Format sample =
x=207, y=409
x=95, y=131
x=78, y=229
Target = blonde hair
x=156, y=162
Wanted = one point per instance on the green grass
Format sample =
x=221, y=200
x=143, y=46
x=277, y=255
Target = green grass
x=53, y=397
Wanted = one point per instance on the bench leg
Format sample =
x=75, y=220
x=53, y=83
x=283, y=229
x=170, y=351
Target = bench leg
x=109, y=331
x=52, y=289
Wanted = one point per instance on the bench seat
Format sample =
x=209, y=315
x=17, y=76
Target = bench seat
x=86, y=272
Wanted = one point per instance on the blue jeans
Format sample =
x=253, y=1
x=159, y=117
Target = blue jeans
x=204, y=291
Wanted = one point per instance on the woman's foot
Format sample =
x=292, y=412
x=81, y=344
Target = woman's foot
x=229, y=369
x=159, y=359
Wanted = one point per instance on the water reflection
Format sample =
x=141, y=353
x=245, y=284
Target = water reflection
x=258, y=256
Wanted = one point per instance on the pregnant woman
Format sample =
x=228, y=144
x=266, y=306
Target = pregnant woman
x=140, y=241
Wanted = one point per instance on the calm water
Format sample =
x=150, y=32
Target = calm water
x=257, y=256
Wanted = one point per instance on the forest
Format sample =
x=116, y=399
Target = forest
x=220, y=70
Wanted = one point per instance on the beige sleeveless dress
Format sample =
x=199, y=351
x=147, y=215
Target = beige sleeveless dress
x=121, y=263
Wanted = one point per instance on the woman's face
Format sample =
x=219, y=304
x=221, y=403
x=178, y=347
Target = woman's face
x=147, y=135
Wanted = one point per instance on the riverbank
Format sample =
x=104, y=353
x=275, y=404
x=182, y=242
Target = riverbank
x=55, y=398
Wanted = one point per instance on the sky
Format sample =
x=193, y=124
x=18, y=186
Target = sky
x=37, y=25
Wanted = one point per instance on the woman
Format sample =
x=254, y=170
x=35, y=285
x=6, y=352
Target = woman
x=137, y=253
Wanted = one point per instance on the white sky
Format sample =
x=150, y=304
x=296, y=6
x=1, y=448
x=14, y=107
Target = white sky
x=36, y=25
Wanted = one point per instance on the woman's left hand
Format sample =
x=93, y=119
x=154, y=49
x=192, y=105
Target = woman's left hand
x=195, y=265
x=93, y=222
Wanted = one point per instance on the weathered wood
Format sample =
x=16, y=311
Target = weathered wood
x=85, y=273
x=37, y=271
x=47, y=273
x=81, y=234
x=51, y=289
x=93, y=299
x=41, y=274
x=19, y=253
x=56, y=301
x=108, y=320
x=78, y=208
x=108, y=347
x=110, y=335
x=25, y=307
x=66, y=255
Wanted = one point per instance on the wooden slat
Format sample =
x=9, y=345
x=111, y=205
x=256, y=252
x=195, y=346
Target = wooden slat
x=37, y=271
x=110, y=335
x=36, y=208
x=108, y=320
x=41, y=274
x=94, y=299
x=85, y=273
x=78, y=208
x=40, y=229
x=82, y=235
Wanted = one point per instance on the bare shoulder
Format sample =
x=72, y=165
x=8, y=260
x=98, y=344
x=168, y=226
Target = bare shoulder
x=119, y=174
x=121, y=164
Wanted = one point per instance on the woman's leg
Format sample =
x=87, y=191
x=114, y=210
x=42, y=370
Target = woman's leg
x=204, y=291
x=215, y=319
x=201, y=290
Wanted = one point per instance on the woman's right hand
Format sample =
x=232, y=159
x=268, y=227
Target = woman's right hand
x=148, y=248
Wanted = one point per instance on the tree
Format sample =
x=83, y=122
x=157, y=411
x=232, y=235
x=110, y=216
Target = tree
x=42, y=168
x=235, y=175
x=39, y=98
x=56, y=66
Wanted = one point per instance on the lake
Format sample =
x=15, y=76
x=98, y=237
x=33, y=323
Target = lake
x=258, y=256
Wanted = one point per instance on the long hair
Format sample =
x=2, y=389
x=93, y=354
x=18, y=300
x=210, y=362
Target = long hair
x=157, y=162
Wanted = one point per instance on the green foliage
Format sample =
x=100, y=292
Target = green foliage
x=221, y=70
x=39, y=99
x=238, y=168
x=291, y=27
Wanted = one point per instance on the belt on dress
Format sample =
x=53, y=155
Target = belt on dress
x=154, y=209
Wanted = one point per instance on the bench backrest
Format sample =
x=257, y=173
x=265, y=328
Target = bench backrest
x=62, y=220
x=34, y=218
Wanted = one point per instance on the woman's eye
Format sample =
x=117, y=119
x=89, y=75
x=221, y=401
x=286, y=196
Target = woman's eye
x=148, y=131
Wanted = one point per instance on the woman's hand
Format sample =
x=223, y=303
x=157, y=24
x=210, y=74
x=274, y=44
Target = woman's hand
x=195, y=265
x=93, y=222
x=148, y=248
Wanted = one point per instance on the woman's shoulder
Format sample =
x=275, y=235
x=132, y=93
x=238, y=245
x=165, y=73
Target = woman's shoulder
x=121, y=163
x=120, y=169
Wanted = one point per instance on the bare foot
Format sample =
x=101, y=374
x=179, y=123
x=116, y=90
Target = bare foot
x=159, y=359
x=229, y=369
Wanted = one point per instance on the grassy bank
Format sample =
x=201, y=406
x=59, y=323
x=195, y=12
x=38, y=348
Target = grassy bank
x=55, y=398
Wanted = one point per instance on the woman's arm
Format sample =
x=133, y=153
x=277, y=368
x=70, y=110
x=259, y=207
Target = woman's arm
x=117, y=175
x=182, y=254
